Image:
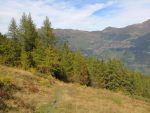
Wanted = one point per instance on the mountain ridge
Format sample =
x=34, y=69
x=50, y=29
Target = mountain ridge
x=101, y=43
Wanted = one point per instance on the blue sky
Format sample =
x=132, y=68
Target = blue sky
x=87, y=15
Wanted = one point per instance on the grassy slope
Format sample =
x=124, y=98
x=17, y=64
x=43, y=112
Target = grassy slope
x=47, y=95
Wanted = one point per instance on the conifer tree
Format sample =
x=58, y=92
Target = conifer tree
x=29, y=37
x=9, y=51
x=137, y=82
x=38, y=56
x=80, y=70
x=4, y=46
x=28, y=32
x=96, y=70
x=47, y=33
x=13, y=30
x=24, y=59
x=46, y=59
x=66, y=62
x=23, y=28
x=31, y=34
x=13, y=34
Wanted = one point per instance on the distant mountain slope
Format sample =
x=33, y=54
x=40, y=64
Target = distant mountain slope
x=108, y=38
x=133, y=31
x=142, y=49
x=112, y=42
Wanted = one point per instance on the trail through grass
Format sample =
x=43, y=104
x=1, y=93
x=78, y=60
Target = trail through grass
x=70, y=98
x=52, y=106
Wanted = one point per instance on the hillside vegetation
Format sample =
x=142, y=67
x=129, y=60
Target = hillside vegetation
x=27, y=48
x=25, y=92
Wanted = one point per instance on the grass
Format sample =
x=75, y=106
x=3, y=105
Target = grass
x=39, y=94
x=31, y=91
x=79, y=99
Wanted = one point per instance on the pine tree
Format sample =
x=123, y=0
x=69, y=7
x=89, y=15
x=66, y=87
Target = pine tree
x=38, y=56
x=117, y=77
x=51, y=59
x=24, y=59
x=4, y=46
x=137, y=82
x=31, y=34
x=29, y=37
x=9, y=51
x=13, y=34
x=96, y=70
x=66, y=63
x=28, y=33
x=23, y=28
x=80, y=70
x=112, y=78
x=46, y=59
x=47, y=35
x=13, y=30
x=146, y=87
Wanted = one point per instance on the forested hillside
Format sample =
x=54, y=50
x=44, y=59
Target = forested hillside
x=27, y=48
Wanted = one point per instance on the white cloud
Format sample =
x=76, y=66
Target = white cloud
x=66, y=15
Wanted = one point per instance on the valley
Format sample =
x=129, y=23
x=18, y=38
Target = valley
x=130, y=44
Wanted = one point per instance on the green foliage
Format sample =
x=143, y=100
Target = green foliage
x=5, y=79
x=80, y=69
x=13, y=30
x=96, y=70
x=10, y=51
x=38, y=56
x=51, y=59
x=117, y=77
x=74, y=66
x=146, y=87
x=66, y=63
x=110, y=75
x=24, y=59
x=29, y=36
x=28, y=48
x=46, y=59
x=47, y=35
x=28, y=33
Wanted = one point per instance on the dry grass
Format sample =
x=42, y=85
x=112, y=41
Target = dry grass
x=46, y=95
x=33, y=91
x=78, y=99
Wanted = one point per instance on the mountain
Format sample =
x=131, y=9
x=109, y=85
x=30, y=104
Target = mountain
x=27, y=92
x=124, y=43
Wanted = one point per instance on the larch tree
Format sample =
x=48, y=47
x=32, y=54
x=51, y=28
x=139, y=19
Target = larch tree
x=47, y=33
x=80, y=69
x=66, y=62
x=13, y=30
x=96, y=70
x=29, y=37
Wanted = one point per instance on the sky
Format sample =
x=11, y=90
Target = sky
x=88, y=15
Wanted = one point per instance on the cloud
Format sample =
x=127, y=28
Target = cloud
x=76, y=14
x=62, y=14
